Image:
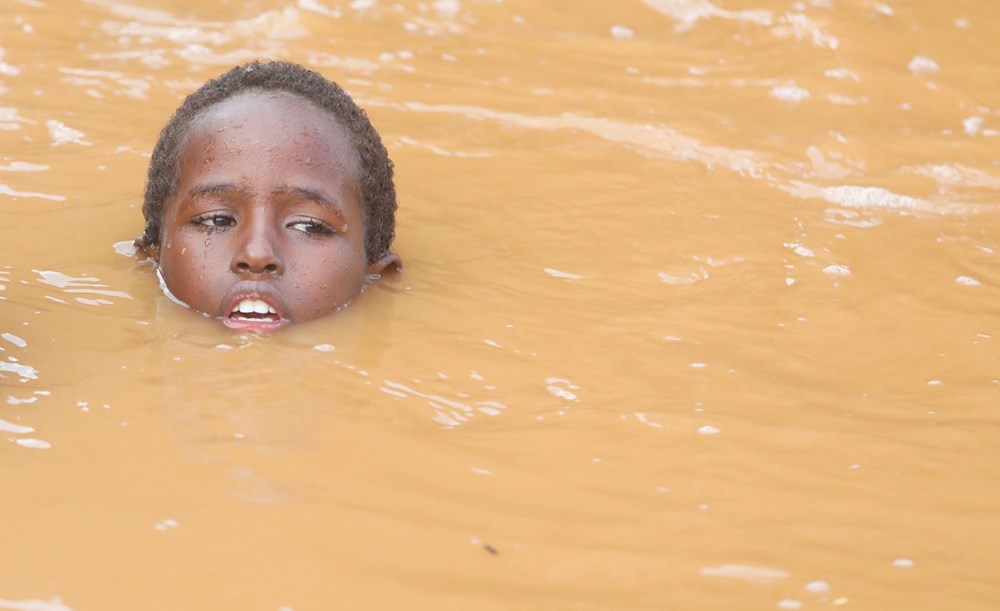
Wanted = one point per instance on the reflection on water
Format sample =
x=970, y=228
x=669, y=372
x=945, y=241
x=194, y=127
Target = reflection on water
x=699, y=311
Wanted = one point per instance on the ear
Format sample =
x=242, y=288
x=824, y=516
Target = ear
x=389, y=260
x=151, y=251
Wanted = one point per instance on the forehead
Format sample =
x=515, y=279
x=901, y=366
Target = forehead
x=270, y=126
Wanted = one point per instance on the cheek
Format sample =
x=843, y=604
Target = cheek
x=189, y=262
x=336, y=274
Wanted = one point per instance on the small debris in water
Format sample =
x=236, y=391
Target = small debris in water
x=490, y=549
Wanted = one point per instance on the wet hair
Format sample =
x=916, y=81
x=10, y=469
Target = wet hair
x=378, y=193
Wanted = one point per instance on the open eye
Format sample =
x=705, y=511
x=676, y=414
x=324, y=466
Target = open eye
x=214, y=220
x=311, y=227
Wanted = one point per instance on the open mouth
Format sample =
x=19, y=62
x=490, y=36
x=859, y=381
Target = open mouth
x=251, y=313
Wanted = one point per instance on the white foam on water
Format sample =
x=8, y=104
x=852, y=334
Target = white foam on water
x=25, y=371
x=560, y=393
x=17, y=341
x=36, y=444
x=754, y=574
x=63, y=134
x=921, y=63
x=12, y=400
x=800, y=250
x=647, y=139
x=800, y=27
x=641, y=417
x=817, y=587
x=448, y=7
x=555, y=273
x=621, y=32
x=968, y=281
x=21, y=166
x=854, y=196
x=5, y=190
x=126, y=248
x=165, y=524
x=790, y=93
x=17, y=429
x=843, y=74
x=972, y=125
x=688, y=12
x=837, y=270
x=53, y=604
x=693, y=277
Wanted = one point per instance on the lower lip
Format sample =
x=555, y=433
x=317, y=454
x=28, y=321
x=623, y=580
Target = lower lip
x=240, y=324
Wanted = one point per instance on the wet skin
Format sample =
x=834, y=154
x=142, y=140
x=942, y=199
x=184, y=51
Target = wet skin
x=267, y=214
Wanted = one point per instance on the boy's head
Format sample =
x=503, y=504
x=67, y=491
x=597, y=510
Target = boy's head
x=269, y=198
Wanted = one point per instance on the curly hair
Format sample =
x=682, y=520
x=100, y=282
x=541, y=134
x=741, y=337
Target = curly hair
x=378, y=193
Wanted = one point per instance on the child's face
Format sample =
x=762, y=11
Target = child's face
x=266, y=227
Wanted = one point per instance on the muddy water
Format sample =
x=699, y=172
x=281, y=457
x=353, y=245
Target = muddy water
x=699, y=311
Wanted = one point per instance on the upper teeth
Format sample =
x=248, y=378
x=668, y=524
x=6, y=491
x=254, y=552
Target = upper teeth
x=248, y=306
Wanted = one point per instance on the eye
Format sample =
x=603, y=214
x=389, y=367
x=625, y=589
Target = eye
x=311, y=227
x=214, y=220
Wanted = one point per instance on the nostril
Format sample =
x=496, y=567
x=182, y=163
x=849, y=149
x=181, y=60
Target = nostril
x=243, y=267
x=271, y=268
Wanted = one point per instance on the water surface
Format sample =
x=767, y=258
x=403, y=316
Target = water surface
x=699, y=311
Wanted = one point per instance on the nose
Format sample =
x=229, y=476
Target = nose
x=257, y=253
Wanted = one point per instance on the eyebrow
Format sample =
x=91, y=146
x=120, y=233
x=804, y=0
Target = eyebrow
x=316, y=195
x=215, y=188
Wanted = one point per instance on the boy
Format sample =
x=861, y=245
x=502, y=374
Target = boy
x=269, y=198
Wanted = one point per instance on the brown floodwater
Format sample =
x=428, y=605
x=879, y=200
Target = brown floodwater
x=700, y=310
